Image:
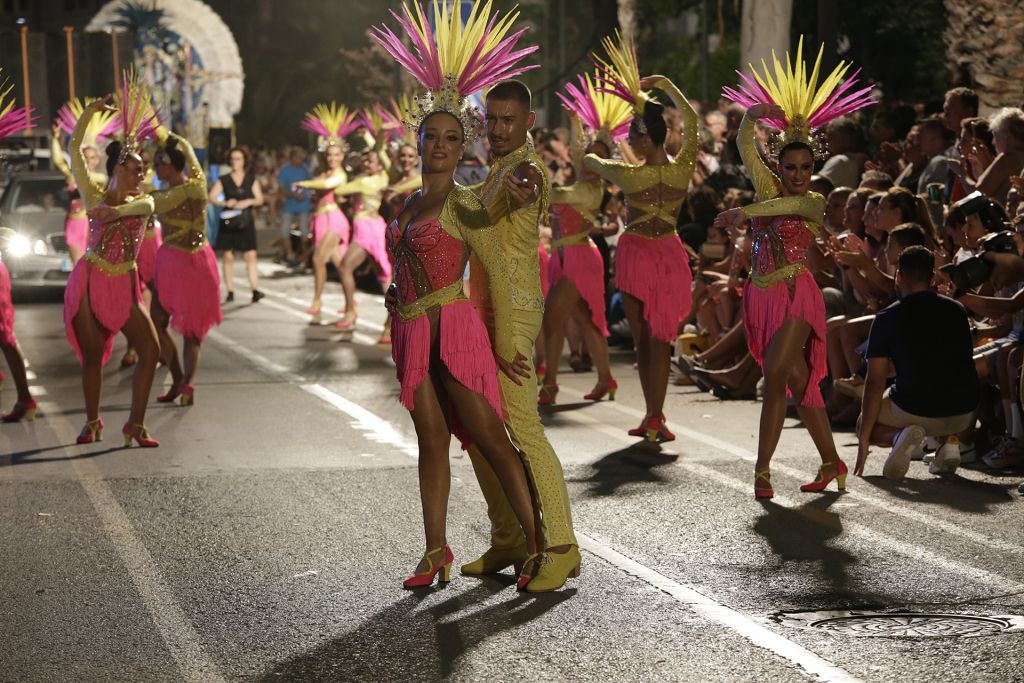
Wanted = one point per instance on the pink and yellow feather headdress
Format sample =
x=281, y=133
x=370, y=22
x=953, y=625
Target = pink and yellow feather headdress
x=619, y=75
x=331, y=122
x=457, y=60
x=808, y=106
x=13, y=119
x=136, y=114
x=605, y=117
x=103, y=125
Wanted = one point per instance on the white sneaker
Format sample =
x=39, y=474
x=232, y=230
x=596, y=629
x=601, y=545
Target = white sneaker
x=898, y=462
x=931, y=444
x=1009, y=454
x=947, y=458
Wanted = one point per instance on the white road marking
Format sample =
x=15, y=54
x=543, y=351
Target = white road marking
x=715, y=611
x=377, y=429
x=182, y=640
x=905, y=511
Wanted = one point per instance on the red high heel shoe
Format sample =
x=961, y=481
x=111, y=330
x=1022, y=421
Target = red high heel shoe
x=171, y=394
x=427, y=578
x=547, y=394
x=188, y=395
x=602, y=388
x=129, y=358
x=652, y=429
x=763, y=485
x=823, y=480
x=348, y=321
x=92, y=431
x=22, y=409
x=140, y=434
x=529, y=570
x=664, y=432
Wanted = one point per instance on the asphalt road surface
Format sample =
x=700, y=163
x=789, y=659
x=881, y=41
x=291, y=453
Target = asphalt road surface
x=266, y=539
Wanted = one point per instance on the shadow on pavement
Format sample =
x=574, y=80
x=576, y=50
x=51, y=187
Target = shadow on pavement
x=410, y=641
x=631, y=465
x=959, y=493
x=805, y=535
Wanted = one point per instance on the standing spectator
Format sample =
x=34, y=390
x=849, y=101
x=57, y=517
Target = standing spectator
x=237, y=193
x=296, y=206
x=935, y=391
x=994, y=171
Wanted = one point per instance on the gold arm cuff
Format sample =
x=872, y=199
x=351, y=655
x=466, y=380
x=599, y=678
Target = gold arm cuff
x=439, y=297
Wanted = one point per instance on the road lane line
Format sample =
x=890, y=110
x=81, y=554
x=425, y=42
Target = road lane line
x=182, y=640
x=377, y=429
x=930, y=521
x=373, y=427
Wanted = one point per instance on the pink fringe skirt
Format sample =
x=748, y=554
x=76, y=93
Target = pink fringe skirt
x=582, y=265
x=332, y=221
x=544, y=261
x=146, y=258
x=369, y=234
x=657, y=272
x=6, y=308
x=465, y=351
x=76, y=232
x=111, y=298
x=188, y=286
x=764, y=312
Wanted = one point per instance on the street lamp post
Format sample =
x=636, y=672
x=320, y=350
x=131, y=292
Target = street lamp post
x=68, y=30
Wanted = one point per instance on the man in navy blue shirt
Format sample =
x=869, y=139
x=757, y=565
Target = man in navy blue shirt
x=935, y=392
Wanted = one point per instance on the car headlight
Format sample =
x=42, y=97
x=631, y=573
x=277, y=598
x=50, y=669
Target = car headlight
x=39, y=248
x=19, y=246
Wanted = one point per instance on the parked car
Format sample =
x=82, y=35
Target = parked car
x=34, y=205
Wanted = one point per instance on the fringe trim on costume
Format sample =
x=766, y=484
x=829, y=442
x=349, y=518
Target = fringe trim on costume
x=111, y=298
x=584, y=267
x=657, y=272
x=6, y=308
x=765, y=311
x=188, y=287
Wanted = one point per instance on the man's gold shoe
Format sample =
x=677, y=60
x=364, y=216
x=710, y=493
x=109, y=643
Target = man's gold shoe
x=497, y=559
x=556, y=569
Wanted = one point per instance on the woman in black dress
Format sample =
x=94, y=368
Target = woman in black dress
x=236, y=193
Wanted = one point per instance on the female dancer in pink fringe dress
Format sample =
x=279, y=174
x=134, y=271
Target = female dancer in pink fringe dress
x=652, y=269
x=576, y=270
x=103, y=294
x=367, y=230
x=783, y=309
x=330, y=227
x=13, y=120
x=187, y=277
x=103, y=126
x=445, y=360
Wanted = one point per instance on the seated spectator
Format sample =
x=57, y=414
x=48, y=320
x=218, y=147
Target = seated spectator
x=912, y=159
x=935, y=140
x=935, y=390
x=835, y=209
x=876, y=180
x=856, y=205
x=846, y=144
x=994, y=170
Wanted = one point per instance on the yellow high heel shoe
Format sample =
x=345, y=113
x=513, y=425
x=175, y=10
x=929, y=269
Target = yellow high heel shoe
x=495, y=560
x=555, y=569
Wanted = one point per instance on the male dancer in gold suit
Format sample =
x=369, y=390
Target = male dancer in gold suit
x=516, y=195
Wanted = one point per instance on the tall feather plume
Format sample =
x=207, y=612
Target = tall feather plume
x=136, y=113
x=459, y=59
x=103, y=125
x=807, y=104
x=331, y=122
x=598, y=110
x=619, y=75
x=13, y=119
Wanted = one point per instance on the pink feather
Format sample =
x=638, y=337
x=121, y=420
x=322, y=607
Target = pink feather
x=17, y=120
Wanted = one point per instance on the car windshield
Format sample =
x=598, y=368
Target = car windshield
x=47, y=195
